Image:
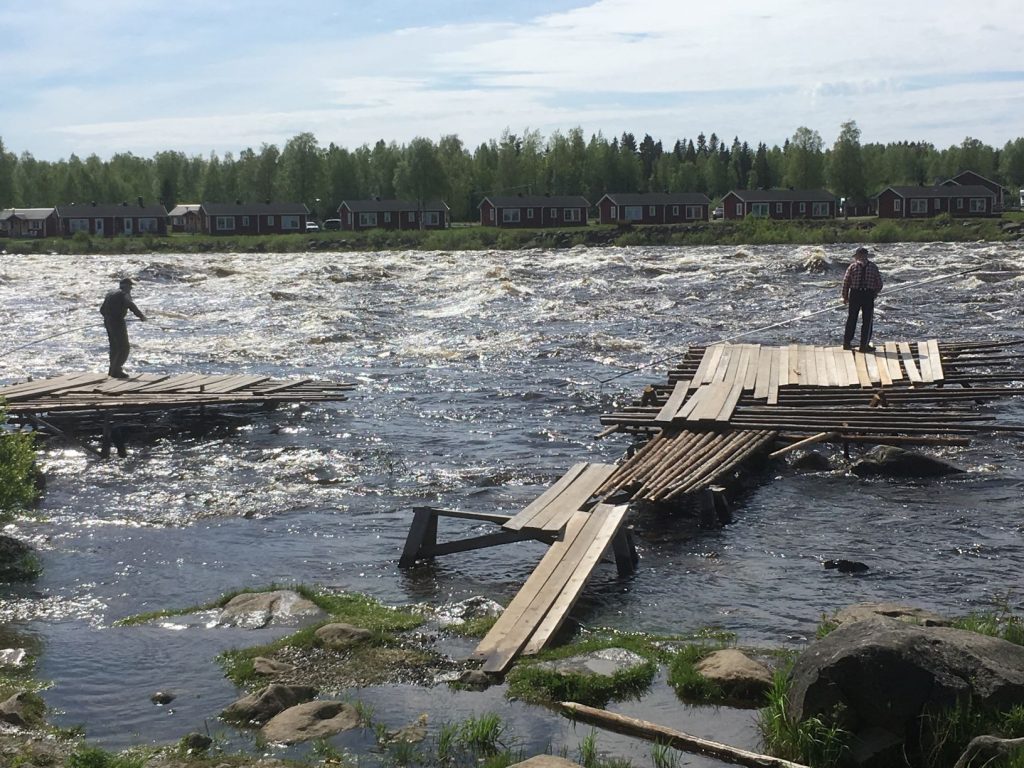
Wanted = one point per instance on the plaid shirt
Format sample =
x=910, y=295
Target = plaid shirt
x=862, y=275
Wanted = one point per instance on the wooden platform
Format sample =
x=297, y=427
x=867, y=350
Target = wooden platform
x=99, y=392
x=726, y=402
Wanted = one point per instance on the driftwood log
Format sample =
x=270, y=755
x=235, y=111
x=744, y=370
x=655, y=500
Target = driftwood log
x=987, y=748
x=661, y=734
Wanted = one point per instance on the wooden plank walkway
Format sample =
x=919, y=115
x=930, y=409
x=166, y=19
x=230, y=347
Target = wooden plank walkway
x=542, y=604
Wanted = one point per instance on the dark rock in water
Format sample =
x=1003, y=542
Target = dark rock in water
x=878, y=678
x=162, y=698
x=812, y=461
x=476, y=679
x=845, y=566
x=17, y=561
x=889, y=461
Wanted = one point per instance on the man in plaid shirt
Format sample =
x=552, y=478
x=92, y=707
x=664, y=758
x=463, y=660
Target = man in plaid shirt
x=861, y=284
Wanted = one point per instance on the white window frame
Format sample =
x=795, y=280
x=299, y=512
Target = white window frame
x=695, y=212
x=897, y=204
x=819, y=210
x=739, y=209
x=633, y=212
x=613, y=211
x=938, y=203
x=78, y=225
x=367, y=219
x=411, y=217
x=491, y=216
x=147, y=224
x=529, y=213
x=270, y=221
x=760, y=209
x=959, y=203
x=553, y=213
x=128, y=225
x=778, y=207
x=290, y=221
x=978, y=205
x=224, y=223
x=245, y=221
x=675, y=210
x=387, y=217
x=511, y=215
x=570, y=215
x=918, y=205
x=430, y=218
x=97, y=226
x=652, y=210
x=803, y=207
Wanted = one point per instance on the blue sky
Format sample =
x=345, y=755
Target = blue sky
x=198, y=77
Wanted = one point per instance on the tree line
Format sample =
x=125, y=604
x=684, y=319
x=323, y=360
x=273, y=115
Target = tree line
x=562, y=164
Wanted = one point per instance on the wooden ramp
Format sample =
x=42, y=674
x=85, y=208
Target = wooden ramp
x=540, y=607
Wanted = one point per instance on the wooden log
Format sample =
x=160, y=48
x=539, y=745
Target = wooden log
x=631, y=726
x=821, y=436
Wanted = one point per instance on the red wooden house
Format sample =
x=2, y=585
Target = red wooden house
x=528, y=211
x=112, y=220
x=926, y=202
x=653, y=208
x=358, y=215
x=780, y=204
x=29, y=222
x=253, y=218
x=970, y=178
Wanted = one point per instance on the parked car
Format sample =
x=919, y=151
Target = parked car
x=312, y=226
x=718, y=213
x=332, y=224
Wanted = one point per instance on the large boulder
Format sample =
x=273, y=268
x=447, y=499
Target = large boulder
x=889, y=461
x=314, y=720
x=24, y=710
x=253, y=610
x=877, y=676
x=339, y=636
x=261, y=706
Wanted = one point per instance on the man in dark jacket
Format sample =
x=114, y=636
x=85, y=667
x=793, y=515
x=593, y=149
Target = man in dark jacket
x=861, y=284
x=114, y=310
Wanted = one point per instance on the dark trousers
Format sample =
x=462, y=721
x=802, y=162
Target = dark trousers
x=862, y=302
x=117, y=335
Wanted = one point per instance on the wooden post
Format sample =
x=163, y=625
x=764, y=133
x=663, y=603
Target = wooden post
x=105, y=441
x=422, y=531
x=625, y=552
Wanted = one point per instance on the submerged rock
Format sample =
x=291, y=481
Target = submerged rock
x=410, y=734
x=17, y=561
x=162, y=698
x=889, y=461
x=811, y=461
x=315, y=720
x=606, y=661
x=253, y=610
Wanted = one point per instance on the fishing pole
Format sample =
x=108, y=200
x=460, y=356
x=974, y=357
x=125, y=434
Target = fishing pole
x=72, y=330
x=830, y=308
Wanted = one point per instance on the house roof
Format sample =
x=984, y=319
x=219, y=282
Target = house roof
x=941, y=190
x=783, y=195
x=28, y=214
x=109, y=210
x=254, y=209
x=181, y=210
x=537, y=201
x=365, y=206
x=657, y=198
x=977, y=175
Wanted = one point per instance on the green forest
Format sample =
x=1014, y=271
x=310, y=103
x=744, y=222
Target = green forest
x=528, y=163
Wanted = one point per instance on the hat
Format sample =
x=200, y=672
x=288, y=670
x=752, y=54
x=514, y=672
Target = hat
x=126, y=281
x=862, y=251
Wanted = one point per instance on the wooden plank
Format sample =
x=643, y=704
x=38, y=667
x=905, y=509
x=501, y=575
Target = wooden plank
x=764, y=370
x=862, y=371
x=236, y=383
x=821, y=363
x=908, y=362
x=750, y=380
x=773, y=380
x=936, y=360
x=717, y=350
x=714, y=398
x=606, y=521
x=883, y=369
x=695, y=400
x=872, y=366
x=892, y=356
x=535, y=506
x=926, y=366
x=39, y=387
x=705, y=361
x=675, y=400
x=852, y=377
x=784, y=366
x=723, y=363
x=730, y=403
x=794, y=364
x=555, y=515
x=510, y=622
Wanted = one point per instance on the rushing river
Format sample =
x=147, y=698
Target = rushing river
x=479, y=379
